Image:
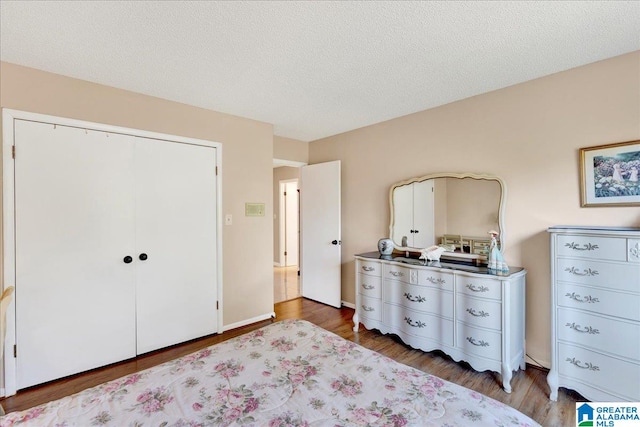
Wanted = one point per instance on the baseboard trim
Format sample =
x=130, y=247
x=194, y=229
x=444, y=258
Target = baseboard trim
x=246, y=322
x=348, y=304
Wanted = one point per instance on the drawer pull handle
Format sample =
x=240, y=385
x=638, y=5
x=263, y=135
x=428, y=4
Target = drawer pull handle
x=367, y=308
x=587, y=298
x=585, y=330
x=416, y=324
x=479, y=343
x=477, y=288
x=396, y=273
x=367, y=268
x=436, y=281
x=585, y=247
x=587, y=365
x=480, y=313
x=414, y=299
x=584, y=272
x=368, y=287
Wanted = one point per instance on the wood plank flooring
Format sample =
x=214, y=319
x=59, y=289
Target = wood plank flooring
x=529, y=395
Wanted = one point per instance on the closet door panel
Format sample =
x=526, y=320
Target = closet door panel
x=74, y=225
x=176, y=229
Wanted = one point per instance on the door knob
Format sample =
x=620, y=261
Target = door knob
x=143, y=257
x=127, y=259
x=336, y=242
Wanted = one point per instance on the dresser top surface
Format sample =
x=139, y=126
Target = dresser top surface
x=450, y=265
x=633, y=231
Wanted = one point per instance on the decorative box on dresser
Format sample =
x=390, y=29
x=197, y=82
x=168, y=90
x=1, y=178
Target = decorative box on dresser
x=459, y=309
x=595, y=316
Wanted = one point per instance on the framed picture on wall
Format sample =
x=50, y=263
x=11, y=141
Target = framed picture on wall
x=609, y=174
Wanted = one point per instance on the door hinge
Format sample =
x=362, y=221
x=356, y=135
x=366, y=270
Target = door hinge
x=15, y=350
x=13, y=151
x=285, y=193
x=217, y=305
x=216, y=171
x=285, y=253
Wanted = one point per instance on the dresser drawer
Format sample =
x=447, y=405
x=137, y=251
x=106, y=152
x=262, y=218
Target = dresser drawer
x=370, y=286
x=625, y=277
x=419, y=298
x=479, y=312
x=480, y=342
x=436, y=279
x=419, y=323
x=371, y=268
x=396, y=272
x=485, y=288
x=598, y=300
x=592, y=247
x=597, y=332
x=602, y=371
x=370, y=308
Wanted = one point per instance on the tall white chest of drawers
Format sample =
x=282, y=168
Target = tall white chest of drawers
x=466, y=313
x=595, y=316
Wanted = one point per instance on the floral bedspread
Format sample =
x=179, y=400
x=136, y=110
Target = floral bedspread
x=290, y=373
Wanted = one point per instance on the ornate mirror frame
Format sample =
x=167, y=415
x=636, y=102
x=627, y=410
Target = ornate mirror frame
x=501, y=207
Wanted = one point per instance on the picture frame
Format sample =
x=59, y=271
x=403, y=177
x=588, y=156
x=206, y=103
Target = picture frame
x=609, y=175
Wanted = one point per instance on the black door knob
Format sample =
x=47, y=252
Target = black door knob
x=143, y=257
x=336, y=242
x=127, y=259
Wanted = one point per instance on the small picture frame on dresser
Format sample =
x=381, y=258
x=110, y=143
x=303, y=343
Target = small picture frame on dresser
x=609, y=175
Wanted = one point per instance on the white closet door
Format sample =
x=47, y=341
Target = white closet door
x=176, y=229
x=403, y=215
x=74, y=226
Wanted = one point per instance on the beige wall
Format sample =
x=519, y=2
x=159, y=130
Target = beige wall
x=290, y=149
x=279, y=174
x=528, y=134
x=245, y=178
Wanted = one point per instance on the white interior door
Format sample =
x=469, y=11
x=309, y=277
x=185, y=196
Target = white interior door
x=176, y=230
x=73, y=227
x=320, y=232
x=423, y=214
x=403, y=217
x=291, y=223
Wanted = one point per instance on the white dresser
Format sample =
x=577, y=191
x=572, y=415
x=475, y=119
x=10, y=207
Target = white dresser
x=595, y=316
x=459, y=309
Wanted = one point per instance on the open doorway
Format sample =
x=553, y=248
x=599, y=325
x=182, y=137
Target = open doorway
x=286, y=226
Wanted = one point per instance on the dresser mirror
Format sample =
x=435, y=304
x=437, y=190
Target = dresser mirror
x=452, y=209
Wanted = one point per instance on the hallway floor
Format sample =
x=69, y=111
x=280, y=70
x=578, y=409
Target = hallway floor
x=286, y=283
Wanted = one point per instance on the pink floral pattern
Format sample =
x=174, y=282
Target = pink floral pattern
x=290, y=373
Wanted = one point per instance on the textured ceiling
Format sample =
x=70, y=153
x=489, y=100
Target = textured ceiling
x=314, y=68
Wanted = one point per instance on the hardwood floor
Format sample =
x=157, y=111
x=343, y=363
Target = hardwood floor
x=529, y=396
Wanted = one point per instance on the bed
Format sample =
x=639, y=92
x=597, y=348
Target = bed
x=289, y=373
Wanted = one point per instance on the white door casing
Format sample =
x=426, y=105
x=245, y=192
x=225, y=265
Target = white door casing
x=291, y=223
x=111, y=200
x=320, y=263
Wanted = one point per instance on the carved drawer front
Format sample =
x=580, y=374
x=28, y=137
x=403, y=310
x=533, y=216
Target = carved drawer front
x=481, y=342
x=371, y=308
x=419, y=323
x=606, y=248
x=484, y=288
x=625, y=277
x=370, y=286
x=598, y=300
x=609, y=335
x=615, y=375
x=370, y=268
x=436, y=279
x=478, y=312
x=419, y=298
x=633, y=250
x=395, y=272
